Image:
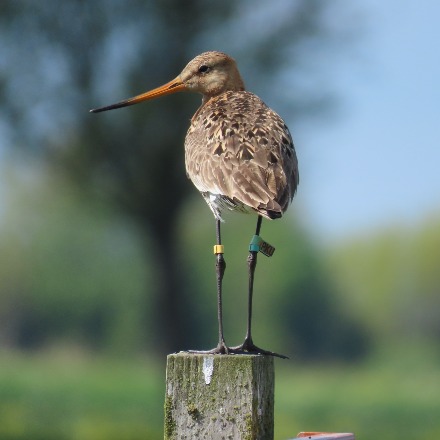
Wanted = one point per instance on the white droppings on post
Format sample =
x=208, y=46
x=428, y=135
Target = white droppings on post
x=208, y=368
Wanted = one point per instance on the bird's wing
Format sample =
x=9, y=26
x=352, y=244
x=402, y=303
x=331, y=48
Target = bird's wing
x=247, y=157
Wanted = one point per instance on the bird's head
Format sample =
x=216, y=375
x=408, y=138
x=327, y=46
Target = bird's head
x=210, y=73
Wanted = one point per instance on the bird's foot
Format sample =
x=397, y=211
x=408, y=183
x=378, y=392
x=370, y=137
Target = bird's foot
x=221, y=348
x=248, y=347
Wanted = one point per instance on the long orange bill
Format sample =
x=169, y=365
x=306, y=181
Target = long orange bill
x=176, y=85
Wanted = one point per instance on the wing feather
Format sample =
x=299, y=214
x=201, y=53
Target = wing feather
x=239, y=148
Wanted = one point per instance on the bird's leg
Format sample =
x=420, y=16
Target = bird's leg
x=252, y=264
x=220, y=266
x=248, y=345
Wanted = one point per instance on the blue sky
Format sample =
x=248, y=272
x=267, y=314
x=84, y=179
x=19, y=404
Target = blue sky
x=378, y=162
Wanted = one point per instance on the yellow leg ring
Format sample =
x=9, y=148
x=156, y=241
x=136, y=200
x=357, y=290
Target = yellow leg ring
x=219, y=249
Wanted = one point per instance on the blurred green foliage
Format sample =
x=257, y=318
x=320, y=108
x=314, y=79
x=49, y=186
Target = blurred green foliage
x=74, y=397
x=75, y=273
x=70, y=272
x=390, y=279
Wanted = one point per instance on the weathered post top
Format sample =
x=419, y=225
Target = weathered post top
x=219, y=397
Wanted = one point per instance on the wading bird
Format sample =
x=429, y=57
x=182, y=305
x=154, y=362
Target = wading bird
x=239, y=154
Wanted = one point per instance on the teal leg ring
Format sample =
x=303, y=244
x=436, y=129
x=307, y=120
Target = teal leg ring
x=254, y=246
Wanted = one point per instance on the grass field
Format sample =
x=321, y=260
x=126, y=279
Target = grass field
x=77, y=397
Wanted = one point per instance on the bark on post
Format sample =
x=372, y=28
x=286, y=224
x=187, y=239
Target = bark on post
x=219, y=397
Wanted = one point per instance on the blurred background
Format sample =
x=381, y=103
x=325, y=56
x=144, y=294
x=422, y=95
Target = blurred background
x=105, y=245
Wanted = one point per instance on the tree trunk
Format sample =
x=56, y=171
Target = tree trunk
x=171, y=308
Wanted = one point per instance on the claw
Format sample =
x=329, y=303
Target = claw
x=220, y=349
x=248, y=347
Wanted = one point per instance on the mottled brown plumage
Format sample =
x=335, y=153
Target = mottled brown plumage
x=238, y=153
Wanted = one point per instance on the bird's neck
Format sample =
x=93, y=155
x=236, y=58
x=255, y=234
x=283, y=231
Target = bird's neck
x=234, y=84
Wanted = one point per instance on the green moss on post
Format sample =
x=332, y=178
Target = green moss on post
x=219, y=397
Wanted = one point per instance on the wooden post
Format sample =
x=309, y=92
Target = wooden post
x=219, y=397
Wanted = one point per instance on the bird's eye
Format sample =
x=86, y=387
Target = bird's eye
x=204, y=68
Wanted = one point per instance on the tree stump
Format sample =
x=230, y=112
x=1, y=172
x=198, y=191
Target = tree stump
x=219, y=397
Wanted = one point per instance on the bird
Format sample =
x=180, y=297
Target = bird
x=240, y=156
